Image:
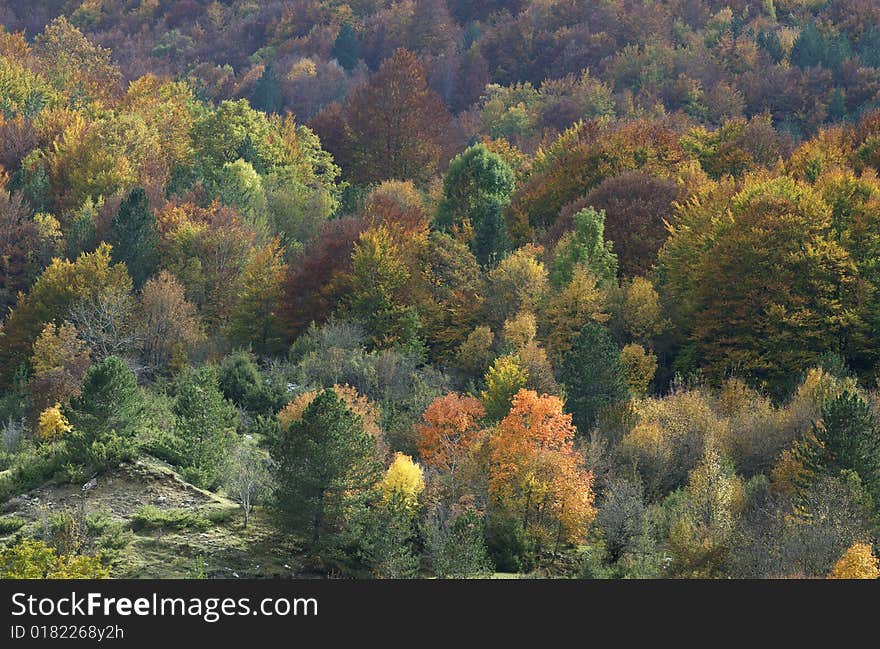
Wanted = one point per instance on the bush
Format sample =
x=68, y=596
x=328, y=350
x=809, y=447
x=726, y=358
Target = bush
x=149, y=517
x=10, y=524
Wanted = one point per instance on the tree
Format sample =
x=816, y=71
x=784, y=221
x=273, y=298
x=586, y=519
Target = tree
x=584, y=246
x=379, y=278
x=477, y=186
x=503, y=380
x=30, y=559
x=322, y=462
x=19, y=243
x=106, y=416
x=457, y=549
x=346, y=48
x=53, y=424
x=593, y=376
x=246, y=477
x=846, y=438
x=266, y=94
x=760, y=282
x=536, y=474
x=168, y=323
x=134, y=237
x=449, y=432
x=61, y=285
x=256, y=321
x=396, y=123
x=701, y=538
x=59, y=363
x=205, y=424
x=858, y=562
x=403, y=483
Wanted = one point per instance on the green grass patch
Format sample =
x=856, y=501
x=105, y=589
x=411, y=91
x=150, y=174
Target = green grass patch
x=149, y=517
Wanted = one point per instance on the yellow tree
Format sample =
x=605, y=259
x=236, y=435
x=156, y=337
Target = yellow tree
x=257, y=320
x=858, y=562
x=403, y=483
x=53, y=424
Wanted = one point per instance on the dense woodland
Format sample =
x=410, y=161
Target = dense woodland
x=444, y=288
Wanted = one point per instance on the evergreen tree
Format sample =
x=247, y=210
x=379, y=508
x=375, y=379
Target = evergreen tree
x=323, y=462
x=810, y=49
x=106, y=415
x=205, y=424
x=592, y=375
x=845, y=439
x=266, y=95
x=134, y=237
x=346, y=48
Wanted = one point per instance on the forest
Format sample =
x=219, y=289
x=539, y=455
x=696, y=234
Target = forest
x=440, y=289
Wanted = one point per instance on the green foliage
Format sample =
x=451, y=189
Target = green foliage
x=593, y=376
x=205, y=424
x=346, y=47
x=457, y=549
x=586, y=246
x=149, y=518
x=476, y=188
x=323, y=463
x=845, y=439
x=107, y=416
x=134, y=237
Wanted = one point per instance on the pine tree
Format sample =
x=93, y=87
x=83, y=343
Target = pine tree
x=846, y=438
x=323, y=461
x=346, y=48
x=592, y=375
x=134, y=237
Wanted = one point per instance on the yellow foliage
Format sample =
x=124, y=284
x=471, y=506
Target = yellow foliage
x=639, y=367
x=403, y=483
x=519, y=331
x=858, y=562
x=53, y=424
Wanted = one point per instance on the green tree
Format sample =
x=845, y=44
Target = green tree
x=106, y=416
x=593, y=376
x=845, y=439
x=323, y=462
x=476, y=188
x=204, y=426
x=346, y=47
x=586, y=246
x=133, y=236
x=266, y=95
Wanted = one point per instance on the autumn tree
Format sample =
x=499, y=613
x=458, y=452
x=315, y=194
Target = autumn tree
x=169, y=324
x=759, y=280
x=59, y=361
x=396, y=123
x=449, y=432
x=504, y=379
x=536, y=474
x=61, y=285
x=379, y=280
x=257, y=321
x=858, y=562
